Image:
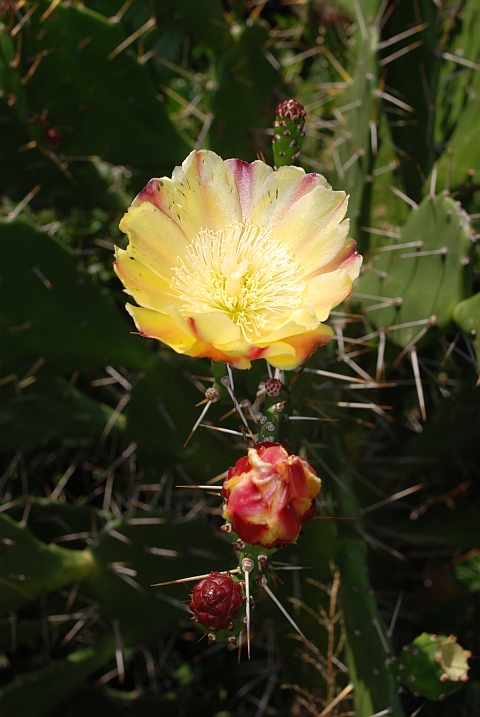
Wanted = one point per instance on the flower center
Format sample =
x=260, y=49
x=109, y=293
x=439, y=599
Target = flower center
x=242, y=271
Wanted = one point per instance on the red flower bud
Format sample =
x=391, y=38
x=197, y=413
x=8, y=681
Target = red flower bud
x=269, y=495
x=216, y=600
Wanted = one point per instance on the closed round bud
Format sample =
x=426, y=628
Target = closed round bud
x=215, y=601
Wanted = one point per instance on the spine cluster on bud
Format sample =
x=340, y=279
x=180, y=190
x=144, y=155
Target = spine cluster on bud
x=433, y=666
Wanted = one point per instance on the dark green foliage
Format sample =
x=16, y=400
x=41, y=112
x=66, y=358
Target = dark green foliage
x=48, y=410
x=56, y=681
x=51, y=309
x=246, y=80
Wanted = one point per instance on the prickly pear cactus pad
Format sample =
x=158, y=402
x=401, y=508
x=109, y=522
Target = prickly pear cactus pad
x=249, y=264
x=433, y=666
x=422, y=274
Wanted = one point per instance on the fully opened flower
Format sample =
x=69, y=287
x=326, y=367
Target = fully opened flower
x=236, y=261
x=216, y=600
x=269, y=495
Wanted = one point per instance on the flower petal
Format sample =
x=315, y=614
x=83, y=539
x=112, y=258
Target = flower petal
x=154, y=239
x=202, y=194
x=202, y=350
x=328, y=290
x=301, y=322
x=310, y=228
x=206, y=193
x=304, y=345
x=250, y=179
x=149, y=290
x=216, y=328
x=161, y=326
x=281, y=190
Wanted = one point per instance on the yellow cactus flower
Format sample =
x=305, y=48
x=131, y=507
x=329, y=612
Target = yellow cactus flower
x=236, y=261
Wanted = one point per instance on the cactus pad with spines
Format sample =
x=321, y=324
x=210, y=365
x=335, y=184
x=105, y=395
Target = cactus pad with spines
x=422, y=275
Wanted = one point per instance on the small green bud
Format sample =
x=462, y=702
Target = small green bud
x=288, y=132
x=433, y=666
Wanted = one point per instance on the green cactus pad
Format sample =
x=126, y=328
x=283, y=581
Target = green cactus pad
x=30, y=568
x=55, y=682
x=49, y=307
x=407, y=289
x=366, y=650
x=467, y=316
x=357, y=154
x=49, y=410
x=433, y=666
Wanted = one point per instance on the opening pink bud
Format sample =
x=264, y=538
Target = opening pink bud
x=216, y=600
x=269, y=495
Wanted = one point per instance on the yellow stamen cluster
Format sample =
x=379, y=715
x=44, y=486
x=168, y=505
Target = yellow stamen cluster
x=242, y=271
